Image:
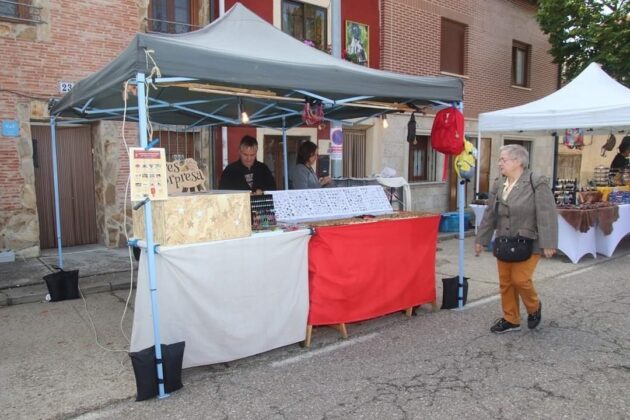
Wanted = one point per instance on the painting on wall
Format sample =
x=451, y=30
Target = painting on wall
x=357, y=43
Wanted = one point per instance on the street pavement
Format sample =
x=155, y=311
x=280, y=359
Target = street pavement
x=68, y=359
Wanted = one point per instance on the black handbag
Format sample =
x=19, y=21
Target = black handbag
x=512, y=248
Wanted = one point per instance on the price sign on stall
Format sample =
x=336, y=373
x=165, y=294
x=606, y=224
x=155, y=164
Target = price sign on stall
x=147, y=169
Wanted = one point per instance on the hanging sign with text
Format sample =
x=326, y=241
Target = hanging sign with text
x=147, y=170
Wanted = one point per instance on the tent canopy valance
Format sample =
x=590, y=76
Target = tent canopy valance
x=593, y=100
x=240, y=60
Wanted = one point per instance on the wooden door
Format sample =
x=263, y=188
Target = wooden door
x=485, y=150
x=76, y=186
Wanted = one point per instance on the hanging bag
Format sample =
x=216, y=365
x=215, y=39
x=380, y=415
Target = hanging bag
x=609, y=145
x=447, y=134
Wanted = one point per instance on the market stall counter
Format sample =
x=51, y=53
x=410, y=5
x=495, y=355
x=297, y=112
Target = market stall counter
x=578, y=227
x=227, y=299
x=363, y=268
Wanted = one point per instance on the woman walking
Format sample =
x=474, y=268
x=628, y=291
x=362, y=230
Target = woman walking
x=521, y=208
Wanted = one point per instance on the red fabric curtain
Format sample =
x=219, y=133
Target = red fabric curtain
x=366, y=270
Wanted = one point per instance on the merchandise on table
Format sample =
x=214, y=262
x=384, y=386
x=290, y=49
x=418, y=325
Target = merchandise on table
x=564, y=191
x=619, y=197
x=601, y=174
x=263, y=212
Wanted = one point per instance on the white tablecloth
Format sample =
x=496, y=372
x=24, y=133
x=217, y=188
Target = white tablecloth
x=606, y=244
x=227, y=299
x=573, y=243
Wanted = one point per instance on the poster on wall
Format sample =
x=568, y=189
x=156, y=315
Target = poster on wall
x=185, y=176
x=357, y=43
x=147, y=169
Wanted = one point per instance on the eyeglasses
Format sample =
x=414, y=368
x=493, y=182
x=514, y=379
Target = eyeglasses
x=503, y=160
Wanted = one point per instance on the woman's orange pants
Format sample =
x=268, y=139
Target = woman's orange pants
x=515, y=280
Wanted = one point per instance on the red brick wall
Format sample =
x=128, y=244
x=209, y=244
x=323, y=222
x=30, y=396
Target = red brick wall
x=82, y=38
x=410, y=35
x=10, y=179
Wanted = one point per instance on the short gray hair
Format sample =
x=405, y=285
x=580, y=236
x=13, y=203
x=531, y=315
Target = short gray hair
x=516, y=152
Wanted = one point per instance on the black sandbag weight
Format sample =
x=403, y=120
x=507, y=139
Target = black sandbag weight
x=450, y=292
x=62, y=284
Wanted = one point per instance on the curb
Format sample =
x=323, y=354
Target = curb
x=98, y=283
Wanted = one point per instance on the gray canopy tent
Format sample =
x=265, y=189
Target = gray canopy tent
x=206, y=77
x=203, y=74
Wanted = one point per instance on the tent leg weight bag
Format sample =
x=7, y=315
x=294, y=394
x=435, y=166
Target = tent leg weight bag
x=450, y=292
x=63, y=284
x=145, y=369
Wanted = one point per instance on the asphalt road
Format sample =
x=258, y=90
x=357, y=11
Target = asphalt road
x=435, y=365
x=443, y=364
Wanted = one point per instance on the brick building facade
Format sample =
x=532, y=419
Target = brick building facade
x=404, y=36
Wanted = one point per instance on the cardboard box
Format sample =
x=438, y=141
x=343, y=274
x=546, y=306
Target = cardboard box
x=199, y=217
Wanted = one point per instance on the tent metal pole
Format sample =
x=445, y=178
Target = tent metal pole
x=148, y=224
x=461, y=190
x=285, y=154
x=461, y=185
x=53, y=140
x=478, y=170
x=554, y=161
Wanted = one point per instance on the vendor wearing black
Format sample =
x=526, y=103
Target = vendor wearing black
x=621, y=160
x=247, y=173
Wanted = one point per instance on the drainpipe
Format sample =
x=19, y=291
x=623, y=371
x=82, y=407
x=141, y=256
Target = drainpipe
x=224, y=130
x=336, y=133
x=555, y=136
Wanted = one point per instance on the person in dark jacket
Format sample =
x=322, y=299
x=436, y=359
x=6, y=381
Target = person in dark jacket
x=247, y=173
x=621, y=159
x=520, y=203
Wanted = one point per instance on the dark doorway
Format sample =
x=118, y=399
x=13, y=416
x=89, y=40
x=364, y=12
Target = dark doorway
x=273, y=156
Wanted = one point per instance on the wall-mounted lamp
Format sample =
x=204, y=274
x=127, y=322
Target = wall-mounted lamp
x=243, y=117
x=384, y=121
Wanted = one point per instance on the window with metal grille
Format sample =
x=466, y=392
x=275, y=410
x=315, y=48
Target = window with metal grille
x=179, y=144
x=453, y=47
x=173, y=16
x=354, y=153
x=21, y=11
x=305, y=22
x=520, y=63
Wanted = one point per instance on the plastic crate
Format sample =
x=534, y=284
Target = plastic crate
x=449, y=222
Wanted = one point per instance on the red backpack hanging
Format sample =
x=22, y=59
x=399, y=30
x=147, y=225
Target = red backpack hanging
x=447, y=134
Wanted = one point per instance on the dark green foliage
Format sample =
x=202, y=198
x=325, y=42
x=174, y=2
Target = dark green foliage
x=585, y=31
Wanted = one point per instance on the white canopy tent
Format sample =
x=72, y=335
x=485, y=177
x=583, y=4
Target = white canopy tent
x=592, y=101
